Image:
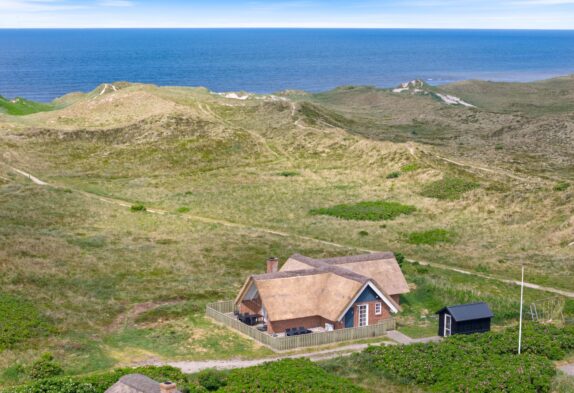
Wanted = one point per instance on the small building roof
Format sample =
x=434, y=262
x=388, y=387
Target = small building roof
x=467, y=312
x=135, y=383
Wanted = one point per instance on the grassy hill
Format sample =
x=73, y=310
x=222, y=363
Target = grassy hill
x=20, y=106
x=227, y=180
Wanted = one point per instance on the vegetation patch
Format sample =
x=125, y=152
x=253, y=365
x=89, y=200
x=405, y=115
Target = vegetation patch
x=449, y=188
x=285, y=376
x=393, y=175
x=431, y=237
x=45, y=367
x=561, y=186
x=478, y=362
x=410, y=167
x=19, y=321
x=138, y=207
x=288, y=173
x=98, y=383
x=20, y=106
x=366, y=211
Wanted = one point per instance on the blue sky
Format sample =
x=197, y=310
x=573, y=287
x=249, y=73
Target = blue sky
x=504, y=14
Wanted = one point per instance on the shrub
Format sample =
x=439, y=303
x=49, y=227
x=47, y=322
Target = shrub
x=211, y=380
x=449, y=188
x=288, y=173
x=561, y=186
x=393, y=175
x=430, y=237
x=45, y=367
x=400, y=258
x=19, y=321
x=98, y=383
x=478, y=362
x=363, y=233
x=287, y=376
x=368, y=211
x=138, y=207
x=183, y=209
x=411, y=167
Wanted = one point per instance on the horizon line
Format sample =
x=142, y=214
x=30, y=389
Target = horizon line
x=275, y=27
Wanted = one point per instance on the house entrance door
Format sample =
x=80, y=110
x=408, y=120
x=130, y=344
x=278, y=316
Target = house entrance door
x=363, y=314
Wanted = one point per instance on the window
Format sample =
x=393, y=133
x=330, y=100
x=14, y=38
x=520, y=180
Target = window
x=363, y=314
x=378, y=308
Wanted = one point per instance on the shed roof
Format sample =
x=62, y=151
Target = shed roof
x=135, y=383
x=467, y=312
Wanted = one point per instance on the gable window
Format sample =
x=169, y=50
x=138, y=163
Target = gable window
x=378, y=308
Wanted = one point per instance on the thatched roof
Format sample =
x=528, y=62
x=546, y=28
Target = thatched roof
x=136, y=383
x=306, y=287
x=381, y=267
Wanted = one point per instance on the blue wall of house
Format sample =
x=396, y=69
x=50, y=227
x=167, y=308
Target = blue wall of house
x=366, y=296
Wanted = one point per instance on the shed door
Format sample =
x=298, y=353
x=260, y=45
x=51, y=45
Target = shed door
x=447, y=325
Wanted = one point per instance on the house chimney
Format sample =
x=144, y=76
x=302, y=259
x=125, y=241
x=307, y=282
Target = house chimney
x=167, y=387
x=272, y=264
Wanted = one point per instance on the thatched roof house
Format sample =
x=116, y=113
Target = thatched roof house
x=338, y=292
x=138, y=383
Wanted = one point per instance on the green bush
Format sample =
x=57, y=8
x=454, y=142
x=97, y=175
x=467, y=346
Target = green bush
x=430, y=237
x=288, y=173
x=393, y=175
x=19, y=321
x=45, y=367
x=561, y=186
x=368, y=211
x=211, y=380
x=478, y=362
x=98, y=383
x=449, y=188
x=183, y=209
x=286, y=376
x=363, y=233
x=400, y=258
x=138, y=207
x=411, y=167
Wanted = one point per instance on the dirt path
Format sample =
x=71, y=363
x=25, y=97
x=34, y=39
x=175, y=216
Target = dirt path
x=226, y=223
x=196, y=366
x=412, y=151
x=568, y=369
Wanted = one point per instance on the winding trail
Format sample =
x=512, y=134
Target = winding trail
x=412, y=151
x=230, y=224
x=193, y=366
x=315, y=356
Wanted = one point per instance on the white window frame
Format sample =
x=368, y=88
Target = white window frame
x=366, y=308
x=378, y=308
x=447, y=331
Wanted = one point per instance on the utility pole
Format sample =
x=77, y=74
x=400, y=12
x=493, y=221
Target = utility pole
x=520, y=324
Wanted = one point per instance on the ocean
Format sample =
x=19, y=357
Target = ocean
x=44, y=64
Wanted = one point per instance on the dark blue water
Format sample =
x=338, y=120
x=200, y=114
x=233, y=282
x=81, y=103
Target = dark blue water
x=44, y=64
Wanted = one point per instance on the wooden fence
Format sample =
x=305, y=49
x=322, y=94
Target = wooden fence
x=221, y=311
